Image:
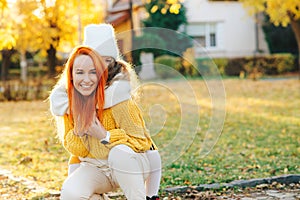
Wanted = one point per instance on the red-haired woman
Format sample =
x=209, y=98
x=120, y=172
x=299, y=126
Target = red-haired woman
x=109, y=144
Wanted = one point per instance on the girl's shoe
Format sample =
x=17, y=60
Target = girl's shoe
x=152, y=198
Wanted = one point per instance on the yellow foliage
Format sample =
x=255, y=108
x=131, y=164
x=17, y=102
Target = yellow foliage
x=7, y=41
x=32, y=24
x=3, y=4
x=175, y=8
x=171, y=1
x=154, y=9
x=278, y=10
x=163, y=11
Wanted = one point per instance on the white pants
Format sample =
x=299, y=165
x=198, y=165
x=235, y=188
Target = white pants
x=153, y=180
x=126, y=169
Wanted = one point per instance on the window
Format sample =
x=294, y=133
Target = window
x=204, y=34
x=201, y=40
x=212, y=37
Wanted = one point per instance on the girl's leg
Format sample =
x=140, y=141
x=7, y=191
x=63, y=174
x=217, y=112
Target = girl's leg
x=84, y=182
x=153, y=181
x=130, y=170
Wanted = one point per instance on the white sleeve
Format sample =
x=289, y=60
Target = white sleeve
x=59, y=102
x=116, y=93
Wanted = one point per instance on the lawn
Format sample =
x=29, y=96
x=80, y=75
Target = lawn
x=260, y=135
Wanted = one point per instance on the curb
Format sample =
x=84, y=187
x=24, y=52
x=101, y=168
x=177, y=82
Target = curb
x=284, y=179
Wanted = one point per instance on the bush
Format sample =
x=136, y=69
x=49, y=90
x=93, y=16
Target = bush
x=32, y=72
x=189, y=66
x=167, y=66
x=270, y=65
x=235, y=66
x=221, y=63
x=284, y=62
x=210, y=67
x=274, y=64
x=15, y=90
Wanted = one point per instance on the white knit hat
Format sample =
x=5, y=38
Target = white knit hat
x=101, y=37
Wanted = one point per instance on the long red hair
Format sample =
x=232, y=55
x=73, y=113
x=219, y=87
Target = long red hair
x=80, y=108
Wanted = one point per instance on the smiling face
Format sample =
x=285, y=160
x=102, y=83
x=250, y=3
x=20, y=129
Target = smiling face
x=85, y=79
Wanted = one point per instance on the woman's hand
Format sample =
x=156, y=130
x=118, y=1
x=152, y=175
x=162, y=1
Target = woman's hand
x=79, y=133
x=96, y=129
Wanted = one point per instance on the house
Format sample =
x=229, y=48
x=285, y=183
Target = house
x=224, y=28
x=125, y=16
x=219, y=28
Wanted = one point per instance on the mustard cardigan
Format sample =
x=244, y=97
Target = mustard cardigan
x=126, y=126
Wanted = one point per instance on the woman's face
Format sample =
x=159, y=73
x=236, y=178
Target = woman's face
x=85, y=79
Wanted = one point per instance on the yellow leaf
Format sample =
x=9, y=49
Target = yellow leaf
x=163, y=11
x=154, y=9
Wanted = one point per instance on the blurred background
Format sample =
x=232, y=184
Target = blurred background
x=248, y=39
x=253, y=44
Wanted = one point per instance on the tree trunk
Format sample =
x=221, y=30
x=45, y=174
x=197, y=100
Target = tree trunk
x=23, y=65
x=51, y=60
x=295, y=24
x=6, y=55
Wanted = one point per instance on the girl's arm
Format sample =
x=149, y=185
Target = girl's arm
x=59, y=102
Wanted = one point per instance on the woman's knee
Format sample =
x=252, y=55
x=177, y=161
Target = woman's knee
x=123, y=149
x=120, y=153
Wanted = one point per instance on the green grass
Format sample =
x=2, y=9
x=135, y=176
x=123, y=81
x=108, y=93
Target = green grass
x=29, y=146
x=260, y=137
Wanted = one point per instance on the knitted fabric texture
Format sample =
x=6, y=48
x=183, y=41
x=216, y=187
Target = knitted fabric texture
x=126, y=126
x=101, y=37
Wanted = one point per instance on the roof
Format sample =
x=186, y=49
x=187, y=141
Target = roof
x=120, y=11
x=117, y=18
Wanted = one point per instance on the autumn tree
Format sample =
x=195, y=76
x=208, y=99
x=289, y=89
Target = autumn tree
x=165, y=14
x=280, y=12
x=26, y=34
x=168, y=14
x=6, y=39
x=16, y=32
x=61, y=21
x=43, y=25
x=279, y=39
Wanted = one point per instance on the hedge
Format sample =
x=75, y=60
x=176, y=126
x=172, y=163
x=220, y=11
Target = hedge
x=274, y=64
x=167, y=66
x=16, y=90
x=252, y=67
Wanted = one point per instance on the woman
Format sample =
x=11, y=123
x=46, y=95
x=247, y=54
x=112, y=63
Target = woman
x=83, y=130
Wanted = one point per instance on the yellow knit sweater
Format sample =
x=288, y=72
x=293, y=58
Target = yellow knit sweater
x=126, y=126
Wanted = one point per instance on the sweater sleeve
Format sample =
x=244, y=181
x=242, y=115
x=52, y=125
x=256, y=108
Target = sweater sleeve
x=74, y=144
x=74, y=160
x=128, y=117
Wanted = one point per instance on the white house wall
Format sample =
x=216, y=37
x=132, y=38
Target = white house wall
x=235, y=29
